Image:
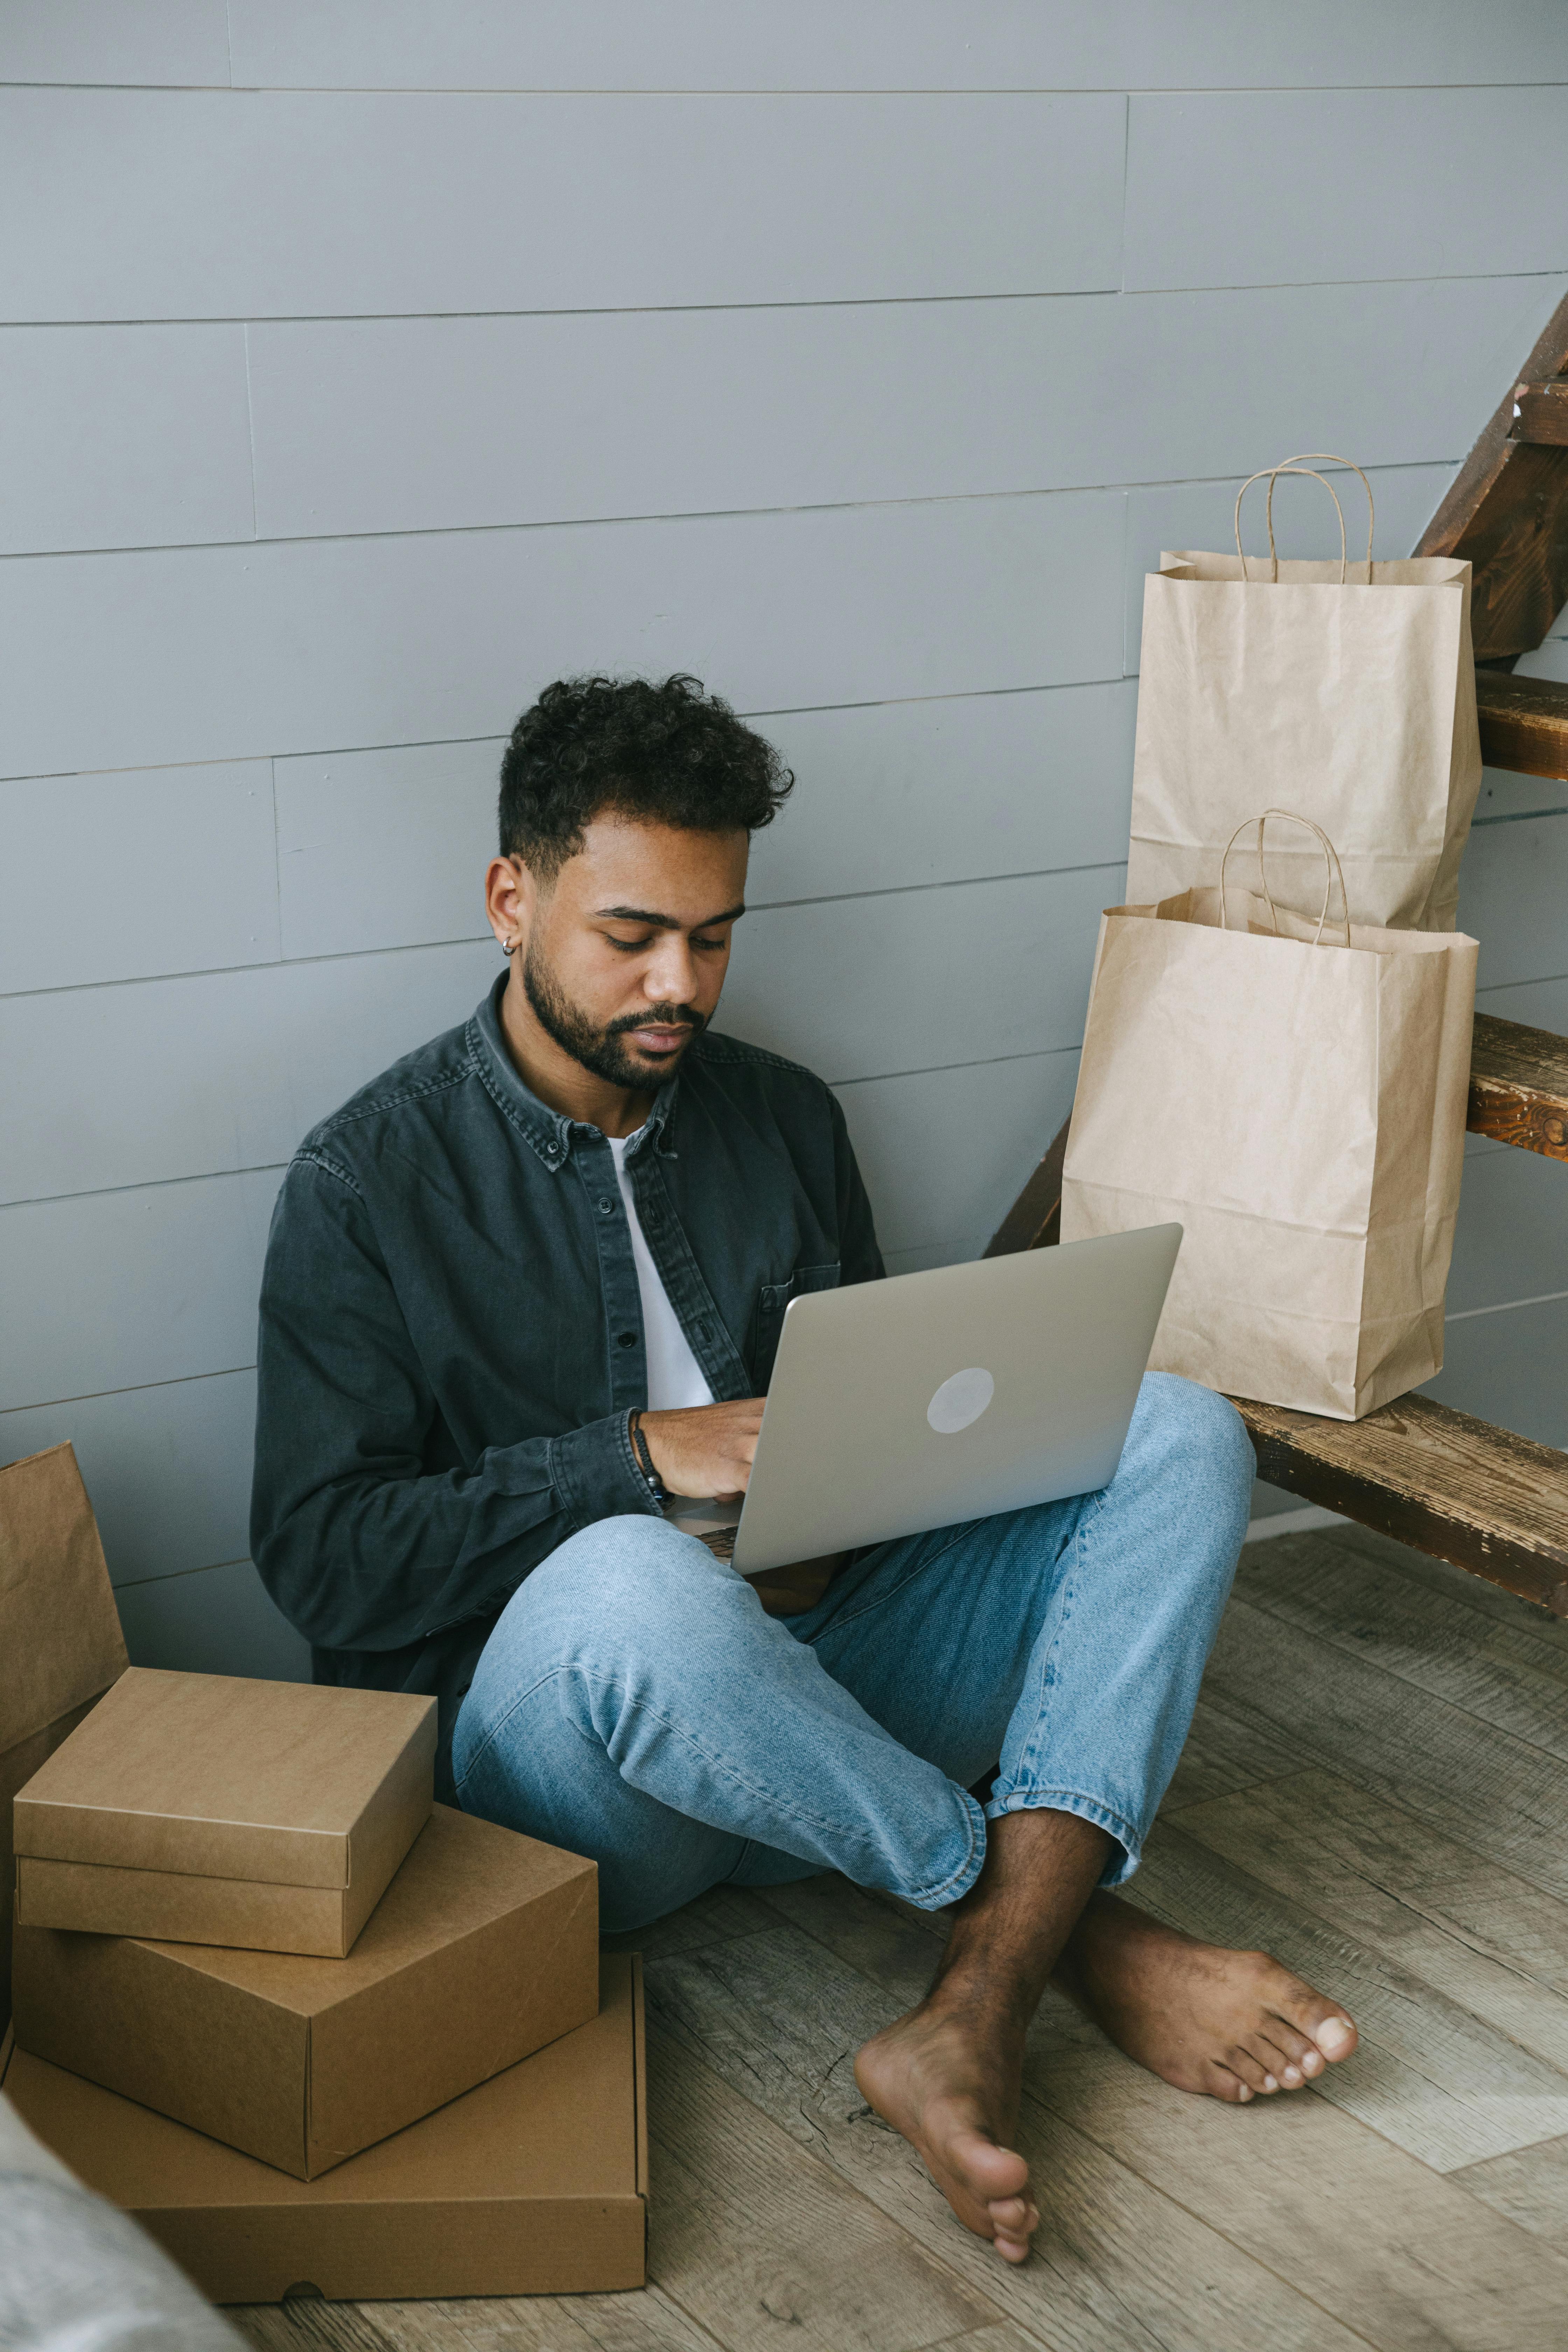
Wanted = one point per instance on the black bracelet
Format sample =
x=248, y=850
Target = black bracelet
x=656, y=1486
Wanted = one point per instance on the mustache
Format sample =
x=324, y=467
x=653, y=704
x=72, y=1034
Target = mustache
x=660, y=1016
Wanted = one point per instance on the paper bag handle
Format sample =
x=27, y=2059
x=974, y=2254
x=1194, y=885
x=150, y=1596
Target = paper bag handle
x=1304, y=464
x=1331, y=865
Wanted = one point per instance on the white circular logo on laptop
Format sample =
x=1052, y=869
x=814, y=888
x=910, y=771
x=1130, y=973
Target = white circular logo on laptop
x=961, y=1400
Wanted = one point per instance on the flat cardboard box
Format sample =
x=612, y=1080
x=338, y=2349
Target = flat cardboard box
x=484, y=1948
x=60, y=1642
x=533, y=2184
x=206, y=1808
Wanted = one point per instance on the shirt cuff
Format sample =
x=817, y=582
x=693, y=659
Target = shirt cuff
x=596, y=1474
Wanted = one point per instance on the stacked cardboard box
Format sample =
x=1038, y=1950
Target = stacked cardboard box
x=61, y=1643
x=310, y=2027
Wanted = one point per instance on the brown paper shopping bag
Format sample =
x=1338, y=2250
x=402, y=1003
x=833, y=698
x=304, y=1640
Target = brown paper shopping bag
x=1345, y=690
x=61, y=1643
x=1294, y=1096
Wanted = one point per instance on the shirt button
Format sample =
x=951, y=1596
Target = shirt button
x=625, y=1338
x=606, y=1207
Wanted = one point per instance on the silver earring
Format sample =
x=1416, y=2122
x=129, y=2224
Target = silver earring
x=507, y=946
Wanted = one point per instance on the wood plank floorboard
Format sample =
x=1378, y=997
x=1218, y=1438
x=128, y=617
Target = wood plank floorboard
x=1503, y=1674
x=1419, y=1568
x=643, y=2322
x=1530, y=2186
x=750, y=2233
x=1483, y=1787
x=1120, y=2264
x=1225, y=1753
x=1430, y=2074
x=1376, y=1788
x=1392, y=2248
x=1480, y=1935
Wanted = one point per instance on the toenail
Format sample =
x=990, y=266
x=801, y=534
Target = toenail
x=1292, y=2073
x=1332, y=2035
x=1270, y=2083
x=1245, y=2093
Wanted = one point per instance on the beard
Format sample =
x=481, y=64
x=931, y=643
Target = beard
x=603, y=1050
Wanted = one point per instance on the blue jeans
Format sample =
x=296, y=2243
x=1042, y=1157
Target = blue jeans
x=637, y=1705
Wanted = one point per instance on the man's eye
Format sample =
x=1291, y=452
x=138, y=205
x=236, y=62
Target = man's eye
x=718, y=945
x=628, y=947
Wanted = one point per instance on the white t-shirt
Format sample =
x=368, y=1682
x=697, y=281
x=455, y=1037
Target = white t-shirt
x=674, y=1375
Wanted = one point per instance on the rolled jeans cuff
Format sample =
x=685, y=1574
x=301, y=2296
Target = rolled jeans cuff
x=1120, y=1868
x=958, y=1882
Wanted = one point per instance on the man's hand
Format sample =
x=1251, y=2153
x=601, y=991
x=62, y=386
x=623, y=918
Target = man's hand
x=705, y=1449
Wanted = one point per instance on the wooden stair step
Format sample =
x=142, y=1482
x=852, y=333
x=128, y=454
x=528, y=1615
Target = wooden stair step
x=1524, y=723
x=1519, y=1086
x=1480, y=1497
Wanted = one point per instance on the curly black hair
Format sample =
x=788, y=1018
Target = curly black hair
x=672, y=754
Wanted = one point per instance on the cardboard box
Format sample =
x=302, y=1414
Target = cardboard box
x=61, y=1643
x=533, y=2184
x=206, y=1809
x=484, y=1948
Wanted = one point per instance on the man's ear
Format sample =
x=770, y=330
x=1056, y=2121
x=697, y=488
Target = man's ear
x=512, y=897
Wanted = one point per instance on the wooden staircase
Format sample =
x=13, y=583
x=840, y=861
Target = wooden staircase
x=1482, y=1498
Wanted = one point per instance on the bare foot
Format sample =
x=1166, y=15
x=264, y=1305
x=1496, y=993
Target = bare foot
x=948, y=2079
x=1230, y=2023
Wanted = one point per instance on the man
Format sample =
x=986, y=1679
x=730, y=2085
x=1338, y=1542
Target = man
x=530, y=1282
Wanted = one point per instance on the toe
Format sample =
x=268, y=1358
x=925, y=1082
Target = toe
x=1015, y=2220
x=1336, y=2037
x=1224, y=2084
x=1321, y=2021
x=1295, y=2059
x=987, y=2170
x=1239, y=2059
x=1275, y=2060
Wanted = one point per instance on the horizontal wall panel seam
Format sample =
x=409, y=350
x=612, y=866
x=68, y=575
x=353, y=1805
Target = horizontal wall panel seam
x=772, y=89
x=260, y=202
x=806, y=302
x=187, y=652
x=476, y=937
x=149, y=1185
x=145, y=1185
x=939, y=1069
x=1022, y=493
x=137, y=1388
x=173, y=1576
x=1506, y=1306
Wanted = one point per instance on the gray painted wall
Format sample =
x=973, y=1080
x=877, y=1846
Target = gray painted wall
x=369, y=365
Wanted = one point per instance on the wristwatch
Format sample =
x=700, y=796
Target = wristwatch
x=656, y=1484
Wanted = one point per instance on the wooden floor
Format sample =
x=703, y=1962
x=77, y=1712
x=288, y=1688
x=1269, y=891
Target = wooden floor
x=1376, y=1788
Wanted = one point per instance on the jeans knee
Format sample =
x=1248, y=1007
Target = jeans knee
x=628, y=1574
x=1195, y=1443
x=627, y=1597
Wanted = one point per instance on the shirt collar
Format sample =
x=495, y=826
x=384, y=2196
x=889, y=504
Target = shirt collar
x=551, y=1132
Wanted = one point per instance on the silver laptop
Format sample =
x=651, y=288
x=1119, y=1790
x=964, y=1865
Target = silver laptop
x=934, y=1398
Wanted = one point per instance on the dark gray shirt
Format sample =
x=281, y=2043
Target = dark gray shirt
x=451, y=1335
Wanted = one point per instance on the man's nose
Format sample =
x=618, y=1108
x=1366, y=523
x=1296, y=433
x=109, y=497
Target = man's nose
x=670, y=977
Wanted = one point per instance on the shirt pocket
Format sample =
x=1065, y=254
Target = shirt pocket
x=768, y=1321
